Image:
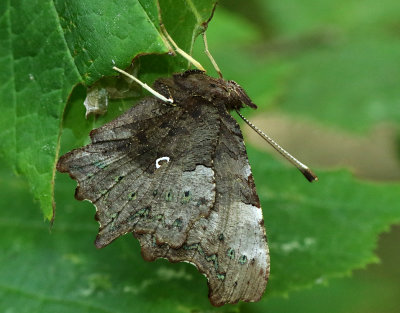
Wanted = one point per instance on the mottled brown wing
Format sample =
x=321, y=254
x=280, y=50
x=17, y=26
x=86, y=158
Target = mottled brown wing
x=118, y=171
x=229, y=246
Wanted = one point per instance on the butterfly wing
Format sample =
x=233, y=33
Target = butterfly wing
x=200, y=207
x=118, y=171
x=229, y=246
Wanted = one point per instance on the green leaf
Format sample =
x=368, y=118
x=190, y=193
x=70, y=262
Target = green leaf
x=360, y=293
x=332, y=62
x=320, y=230
x=48, y=47
x=362, y=70
x=315, y=231
x=62, y=271
x=230, y=38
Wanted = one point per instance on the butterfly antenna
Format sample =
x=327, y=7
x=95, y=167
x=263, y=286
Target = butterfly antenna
x=300, y=166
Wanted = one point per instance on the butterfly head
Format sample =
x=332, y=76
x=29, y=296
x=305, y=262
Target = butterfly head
x=215, y=90
x=240, y=95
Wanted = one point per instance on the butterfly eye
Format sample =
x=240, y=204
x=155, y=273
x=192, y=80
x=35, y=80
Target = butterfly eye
x=213, y=85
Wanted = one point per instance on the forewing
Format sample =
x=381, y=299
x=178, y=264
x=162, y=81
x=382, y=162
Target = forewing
x=229, y=246
x=118, y=171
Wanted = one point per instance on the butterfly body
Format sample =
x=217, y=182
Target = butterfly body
x=177, y=177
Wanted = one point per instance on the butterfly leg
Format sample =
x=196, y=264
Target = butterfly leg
x=206, y=51
x=167, y=38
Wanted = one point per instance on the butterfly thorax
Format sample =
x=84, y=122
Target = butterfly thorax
x=196, y=84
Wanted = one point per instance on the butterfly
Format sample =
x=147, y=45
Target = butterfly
x=173, y=171
x=178, y=178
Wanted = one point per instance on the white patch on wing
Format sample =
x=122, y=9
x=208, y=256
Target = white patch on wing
x=246, y=170
x=161, y=159
x=252, y=246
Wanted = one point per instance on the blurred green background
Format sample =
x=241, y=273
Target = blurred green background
x=326, y=78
